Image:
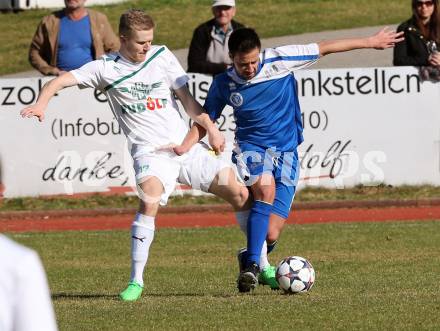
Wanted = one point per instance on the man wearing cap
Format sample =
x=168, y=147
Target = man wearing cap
x=208, y=52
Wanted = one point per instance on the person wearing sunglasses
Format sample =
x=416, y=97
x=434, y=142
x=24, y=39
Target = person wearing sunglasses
x=422, y=38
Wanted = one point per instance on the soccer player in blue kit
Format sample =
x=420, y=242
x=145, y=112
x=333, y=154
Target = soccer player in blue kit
x=261, y=89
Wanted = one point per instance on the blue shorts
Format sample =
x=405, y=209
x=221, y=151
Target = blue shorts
x=284, y=166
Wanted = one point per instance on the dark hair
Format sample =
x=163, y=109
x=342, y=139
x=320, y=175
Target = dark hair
x=134, y=19
x=243, y=40
x=432, y=32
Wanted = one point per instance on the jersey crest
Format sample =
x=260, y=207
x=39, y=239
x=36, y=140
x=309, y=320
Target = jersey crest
x=236, y=99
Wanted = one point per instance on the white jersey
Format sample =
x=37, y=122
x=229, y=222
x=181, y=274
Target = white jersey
x=140, y=95
x=25, y=303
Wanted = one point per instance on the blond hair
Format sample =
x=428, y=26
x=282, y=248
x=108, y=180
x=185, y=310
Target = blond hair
x=134, y=20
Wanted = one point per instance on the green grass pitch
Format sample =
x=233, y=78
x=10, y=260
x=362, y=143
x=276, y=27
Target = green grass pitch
x=370, y=276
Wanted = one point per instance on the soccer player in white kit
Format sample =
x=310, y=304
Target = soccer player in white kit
x=139, y=82
x=25, y=303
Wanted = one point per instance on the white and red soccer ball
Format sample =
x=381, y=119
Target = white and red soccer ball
x=295, y=274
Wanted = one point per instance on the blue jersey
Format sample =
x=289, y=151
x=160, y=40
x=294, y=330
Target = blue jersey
x=266, y=108
x=75, y=44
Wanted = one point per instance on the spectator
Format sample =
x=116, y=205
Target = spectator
x=208, y=52
x=422, y=37
x=25, y=303
x=69, y=38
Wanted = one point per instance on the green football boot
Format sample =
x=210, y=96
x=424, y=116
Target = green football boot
x=267, y=277
x=132, y=292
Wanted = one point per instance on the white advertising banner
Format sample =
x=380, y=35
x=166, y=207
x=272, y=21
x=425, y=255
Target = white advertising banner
x=78, y=147
x=368, y=126
x=361, y=126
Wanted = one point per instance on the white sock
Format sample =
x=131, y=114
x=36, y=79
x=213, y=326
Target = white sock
x=142, y=234
x=264, y=262
x=242, y=217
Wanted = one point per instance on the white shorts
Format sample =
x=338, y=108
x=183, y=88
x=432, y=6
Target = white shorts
x=196, y=168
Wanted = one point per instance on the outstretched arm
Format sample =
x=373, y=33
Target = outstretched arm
x=381, y=40
x=195, y=111
x=47, y=92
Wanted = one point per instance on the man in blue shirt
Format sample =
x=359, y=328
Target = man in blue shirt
x=69, y=38
x=261, y=89
x=74, y=41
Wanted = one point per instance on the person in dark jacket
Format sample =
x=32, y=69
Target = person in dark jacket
x=422, y=36
x=208, y=52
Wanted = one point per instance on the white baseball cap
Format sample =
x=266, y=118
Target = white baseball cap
x=230, y=3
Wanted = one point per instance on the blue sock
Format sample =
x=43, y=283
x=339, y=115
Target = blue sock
x=270, y=247
x=258, y=223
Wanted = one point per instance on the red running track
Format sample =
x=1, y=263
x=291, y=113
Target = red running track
x=221, y=219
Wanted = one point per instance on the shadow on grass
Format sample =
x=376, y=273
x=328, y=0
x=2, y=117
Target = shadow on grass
x=202, y=295
x=76, y=296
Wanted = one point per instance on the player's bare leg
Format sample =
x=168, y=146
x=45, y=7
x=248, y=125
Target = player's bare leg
x=276, y=224
x=142, y=233
x=226, y=186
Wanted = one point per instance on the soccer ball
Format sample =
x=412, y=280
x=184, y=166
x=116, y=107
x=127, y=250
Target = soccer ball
x=295, y=274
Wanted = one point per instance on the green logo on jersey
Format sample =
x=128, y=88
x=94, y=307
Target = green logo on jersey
x=139, y=90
